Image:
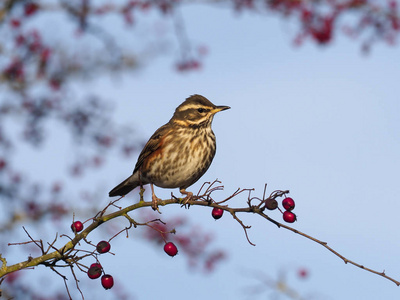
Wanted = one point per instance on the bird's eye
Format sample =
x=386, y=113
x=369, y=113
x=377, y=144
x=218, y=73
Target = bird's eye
x=201, y=110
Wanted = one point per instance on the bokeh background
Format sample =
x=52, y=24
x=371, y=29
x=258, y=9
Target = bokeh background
x=320, y=121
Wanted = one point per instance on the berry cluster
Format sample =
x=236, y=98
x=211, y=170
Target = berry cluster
x=95, y=270
x=288, y=205
x=270, y=204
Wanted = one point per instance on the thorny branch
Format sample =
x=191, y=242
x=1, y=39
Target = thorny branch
x=71, y=256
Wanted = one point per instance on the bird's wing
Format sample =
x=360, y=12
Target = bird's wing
x=153, y=144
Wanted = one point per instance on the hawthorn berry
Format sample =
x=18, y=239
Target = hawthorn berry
x=289, y=217
x=107, y=281
x=94, y=271
x=217, y=213
x=170, y=249
x=288, y=203
x=77, y=226
x=96, y=265
x=271, y=204
x=103, y=247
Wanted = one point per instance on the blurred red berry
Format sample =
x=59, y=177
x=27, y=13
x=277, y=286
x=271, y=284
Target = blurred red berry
x=30, y=8
x=103, y=247
x=55, y=83
x=19, y=40
x=56, y=187
x=77, y=226
x=323, y=33
x=105, y=141
x=97, y=161
x=94, y=271
x=12, y=277
x=288, y=203
x=33, y=210
x=188, y=65
x=303, y=273
x=289, y=217
x=2, y=164
x=15, y=71
x=202, y=50
x=45, y=54
x=15, y=23
x=170, y=249
x=107, y=281
x=217, y=213
x=16, y=178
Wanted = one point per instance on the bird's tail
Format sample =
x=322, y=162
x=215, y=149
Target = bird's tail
x=124, y=187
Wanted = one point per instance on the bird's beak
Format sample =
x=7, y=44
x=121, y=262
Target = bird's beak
x=220, y=108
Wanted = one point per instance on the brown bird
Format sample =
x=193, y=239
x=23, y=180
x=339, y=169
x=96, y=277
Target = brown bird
x=178, y=153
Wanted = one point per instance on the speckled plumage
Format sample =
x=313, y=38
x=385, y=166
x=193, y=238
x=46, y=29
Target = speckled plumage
x=179, y=152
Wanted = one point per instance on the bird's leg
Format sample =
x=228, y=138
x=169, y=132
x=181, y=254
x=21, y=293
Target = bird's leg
x=189, y=196
x=155, y=199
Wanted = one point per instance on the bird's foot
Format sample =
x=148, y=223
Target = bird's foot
x=155, y=199
x=189, y=196
x=154, y=203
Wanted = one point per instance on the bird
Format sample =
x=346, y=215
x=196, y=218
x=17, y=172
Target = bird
x=178, y=153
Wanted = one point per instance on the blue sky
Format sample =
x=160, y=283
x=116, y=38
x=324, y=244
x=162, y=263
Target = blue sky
x=322, y=122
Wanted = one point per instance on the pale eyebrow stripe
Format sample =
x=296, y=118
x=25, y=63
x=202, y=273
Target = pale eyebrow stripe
x=193, y=106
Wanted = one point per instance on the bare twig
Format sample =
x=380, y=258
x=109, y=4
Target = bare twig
x=325, y=244
x=244, y=227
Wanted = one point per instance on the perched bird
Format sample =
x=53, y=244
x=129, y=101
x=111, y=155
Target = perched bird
x=178, y=153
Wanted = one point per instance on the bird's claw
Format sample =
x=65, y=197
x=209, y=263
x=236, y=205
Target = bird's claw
x=154, y=203
x=185, y=201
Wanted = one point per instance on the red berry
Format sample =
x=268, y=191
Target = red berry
x=96, y=265
x=217, y=213
x=94, y=271
x=170, y=249
x=289, y=217
x=107, y=281
x=103, y=247
x=77, y=226
x=288, y=203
